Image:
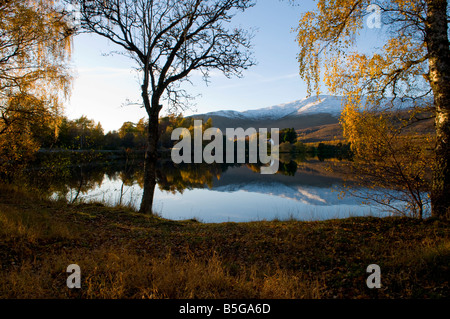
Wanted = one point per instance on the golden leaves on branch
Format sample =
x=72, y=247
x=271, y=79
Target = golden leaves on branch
x=35, y=47
x=387, y=152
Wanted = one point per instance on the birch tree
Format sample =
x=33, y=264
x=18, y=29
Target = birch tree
x=35, y=47
x=413, y=64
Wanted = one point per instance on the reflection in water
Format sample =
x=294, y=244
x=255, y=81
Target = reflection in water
x=211, y=193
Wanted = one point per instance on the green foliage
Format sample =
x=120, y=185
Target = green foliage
x=86, y=134
x=340, y=151
x=170, y=123
x=289, y=168
x=286, y=147
x=288, y=135
x=79, y=134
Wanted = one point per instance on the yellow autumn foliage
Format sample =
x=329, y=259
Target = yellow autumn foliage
x=35, y=46
x=387, y=154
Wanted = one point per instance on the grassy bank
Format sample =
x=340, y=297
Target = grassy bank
x=123, y=254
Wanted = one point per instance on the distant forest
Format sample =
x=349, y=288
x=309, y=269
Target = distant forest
x=86, y=134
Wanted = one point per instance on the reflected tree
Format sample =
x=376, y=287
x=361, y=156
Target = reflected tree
x=169, y=40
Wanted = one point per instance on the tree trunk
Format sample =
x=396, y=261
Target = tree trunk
x=151, y=155
x=149, y=182
x=439, y=65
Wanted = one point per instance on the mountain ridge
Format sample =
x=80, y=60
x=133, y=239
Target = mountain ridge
x=312, y=105
x=315, y=118
x=300, y=114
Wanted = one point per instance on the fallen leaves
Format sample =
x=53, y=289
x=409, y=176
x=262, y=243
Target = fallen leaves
x=413, y=255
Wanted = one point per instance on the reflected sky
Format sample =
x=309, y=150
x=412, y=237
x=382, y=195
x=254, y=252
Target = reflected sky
x=240, y=194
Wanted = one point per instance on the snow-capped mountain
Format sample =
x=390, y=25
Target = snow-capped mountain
x=312, y=105
x=312, y=112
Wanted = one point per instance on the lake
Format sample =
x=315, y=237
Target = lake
x=213, y=193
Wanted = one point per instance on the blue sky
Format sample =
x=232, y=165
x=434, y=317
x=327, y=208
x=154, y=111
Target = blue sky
x=103, y=83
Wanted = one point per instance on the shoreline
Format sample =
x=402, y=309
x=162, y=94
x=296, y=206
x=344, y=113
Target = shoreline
x=126, y=255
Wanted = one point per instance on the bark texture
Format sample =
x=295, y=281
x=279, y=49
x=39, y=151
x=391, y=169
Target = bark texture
x=439, y=76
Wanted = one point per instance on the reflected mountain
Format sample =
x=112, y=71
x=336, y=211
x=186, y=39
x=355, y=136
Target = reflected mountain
x=212, y=193
x=307, y=185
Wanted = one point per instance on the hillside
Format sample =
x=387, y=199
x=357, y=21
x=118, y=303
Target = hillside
x=315, y=119
x=322, y=133
x=301, y=114
x=298, y=123
x=334, y=132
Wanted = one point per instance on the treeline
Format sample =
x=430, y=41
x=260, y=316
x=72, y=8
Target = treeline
x=86, y=134
x=290, y=143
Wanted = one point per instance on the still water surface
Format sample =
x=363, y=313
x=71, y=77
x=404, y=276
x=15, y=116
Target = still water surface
x=214, y=194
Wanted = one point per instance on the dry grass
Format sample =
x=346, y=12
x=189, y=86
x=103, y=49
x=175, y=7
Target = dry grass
x=123, y=254
x=120, y=275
